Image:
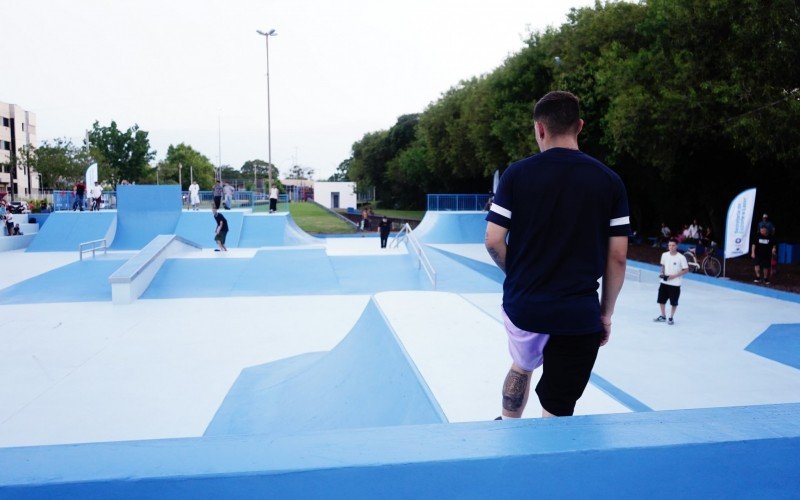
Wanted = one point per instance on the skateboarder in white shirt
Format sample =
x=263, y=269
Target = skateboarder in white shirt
x=673, y=267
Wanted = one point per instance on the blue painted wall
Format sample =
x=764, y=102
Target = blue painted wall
x=749, y=452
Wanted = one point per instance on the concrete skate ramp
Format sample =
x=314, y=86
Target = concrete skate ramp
x=64, y=231
x=452, y=227
x=267, y=230
x=144, y=212
x=365, y=381
x=199, y=228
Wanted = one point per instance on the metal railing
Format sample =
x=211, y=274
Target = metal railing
x=457, y=202
x=406, y=235
x=93, y=245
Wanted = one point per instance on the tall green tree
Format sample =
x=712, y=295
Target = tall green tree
x=120, y=155
x=259, y=169
x=186, y=159
x=341, y=174
x=60, y=162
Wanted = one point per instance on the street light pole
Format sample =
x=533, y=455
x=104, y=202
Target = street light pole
x=266, y=36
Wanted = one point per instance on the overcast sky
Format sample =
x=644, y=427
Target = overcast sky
x=186, y=70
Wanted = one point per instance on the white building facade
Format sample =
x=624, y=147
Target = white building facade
x=17, y=129
x=335, y=194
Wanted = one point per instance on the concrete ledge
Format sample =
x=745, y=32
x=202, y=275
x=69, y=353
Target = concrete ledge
x=742, y=452
x=15, y=242
x=130, y=281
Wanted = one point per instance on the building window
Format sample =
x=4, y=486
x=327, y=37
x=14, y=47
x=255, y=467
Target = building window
x=23, y=127
x=5, y=122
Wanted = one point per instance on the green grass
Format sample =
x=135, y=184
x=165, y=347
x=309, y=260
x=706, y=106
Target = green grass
x=314, y=219
x=401, y=214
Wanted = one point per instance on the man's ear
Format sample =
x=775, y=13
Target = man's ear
x=580, y=126
x=540, y=131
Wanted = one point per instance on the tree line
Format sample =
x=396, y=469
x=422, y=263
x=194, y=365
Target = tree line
x=126, y=155
x=690, y=101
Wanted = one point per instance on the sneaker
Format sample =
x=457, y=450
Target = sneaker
x=757, y=280
x=216, y=249
x=660, y=319
x=767, y=282
x=499, y=418
x=670, y=322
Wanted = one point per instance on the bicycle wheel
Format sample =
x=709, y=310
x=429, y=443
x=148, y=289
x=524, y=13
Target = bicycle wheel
x=692, y=261
x=712, y=267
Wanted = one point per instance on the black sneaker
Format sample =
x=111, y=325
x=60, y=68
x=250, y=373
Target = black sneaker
x=499, y=418
x=767, y=282
x=670, y=322
x=660, y=319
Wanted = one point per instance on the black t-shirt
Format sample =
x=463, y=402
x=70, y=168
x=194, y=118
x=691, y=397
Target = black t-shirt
x=565, y=206
x=221, y=218
x=385, y=227
x=764, y=246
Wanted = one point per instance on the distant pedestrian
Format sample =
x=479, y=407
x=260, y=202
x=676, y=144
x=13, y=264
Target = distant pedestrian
x=762, y=251
x=664, y=236
x=227, y=192
x=96, y=194
x=765, y=222
x=3, y=213
x=273, y=199
x=673, y=267
x=79, y=191
x=194, y=195
x=385, y=227
x=17, y=231
x=221, y=230
x=365, y=224
x=217, y=193
x=9, y=218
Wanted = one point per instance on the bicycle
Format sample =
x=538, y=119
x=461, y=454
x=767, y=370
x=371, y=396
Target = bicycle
x=710, y=265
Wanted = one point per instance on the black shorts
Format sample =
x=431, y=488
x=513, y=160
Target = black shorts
x=763, y=261
x=221, y=236
x=670, y=292
x=568, y=363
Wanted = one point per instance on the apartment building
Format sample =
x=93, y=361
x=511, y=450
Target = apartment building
x=17, y=129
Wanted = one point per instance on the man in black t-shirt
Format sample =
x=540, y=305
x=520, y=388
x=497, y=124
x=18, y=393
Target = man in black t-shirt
x=221, y=231
x=559, y=222
x=762, y=251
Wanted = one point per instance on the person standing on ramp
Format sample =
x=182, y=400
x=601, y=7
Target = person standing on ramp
x=566, y=218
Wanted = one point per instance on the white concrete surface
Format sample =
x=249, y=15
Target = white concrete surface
x=85, y=372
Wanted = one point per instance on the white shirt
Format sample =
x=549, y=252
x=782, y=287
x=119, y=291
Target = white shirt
x=194, y=188
x=273, y=193
x=694, y=232
x=96, y=191
x=673, y=264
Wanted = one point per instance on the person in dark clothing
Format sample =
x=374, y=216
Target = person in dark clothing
x=217, y=194
x=763, y=249
x=79, y=191
x=221, y=231
x=385, y=227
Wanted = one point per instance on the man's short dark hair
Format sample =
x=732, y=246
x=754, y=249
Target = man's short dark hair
x=559, y=112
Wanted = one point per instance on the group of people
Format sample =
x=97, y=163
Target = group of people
x=95, y=199
x=692, y=233
x=7, y=219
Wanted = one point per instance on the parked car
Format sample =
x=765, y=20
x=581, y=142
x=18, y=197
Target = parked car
x=18, y=207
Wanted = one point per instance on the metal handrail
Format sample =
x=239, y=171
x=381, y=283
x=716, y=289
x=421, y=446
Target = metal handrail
x=94, y=247
x=406, y=234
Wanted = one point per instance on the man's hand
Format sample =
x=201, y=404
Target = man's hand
x=606, y=320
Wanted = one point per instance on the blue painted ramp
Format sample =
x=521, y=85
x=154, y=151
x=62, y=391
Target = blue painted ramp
x=269, y=272
x=82, y=281
x=64, y=231
x=452, y=227
x=262, y=230
x=144, y=212
x=199, y=227
x=365, y=381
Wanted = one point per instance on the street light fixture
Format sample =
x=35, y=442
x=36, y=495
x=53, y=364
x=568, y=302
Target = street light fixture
x=266, y=36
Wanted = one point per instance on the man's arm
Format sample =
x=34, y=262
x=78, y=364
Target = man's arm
x=495, y=242
x=612, y=280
